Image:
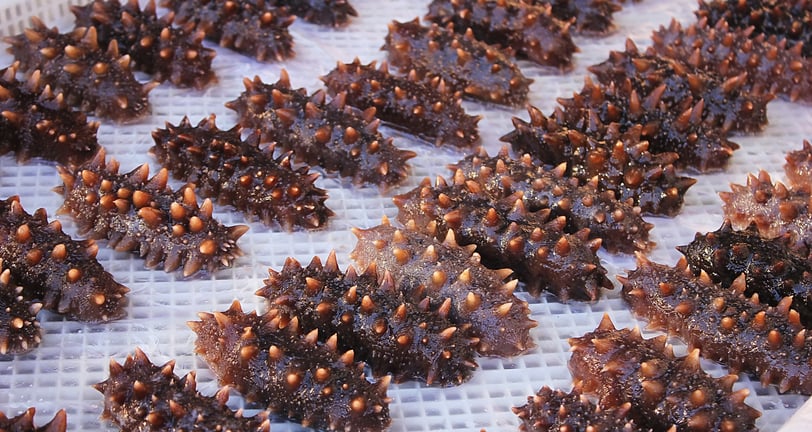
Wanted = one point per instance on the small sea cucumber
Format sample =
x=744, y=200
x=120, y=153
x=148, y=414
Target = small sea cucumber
x=555, y=411
x=142, y=396
x=324, y=12
x=236, y=171
x=25, y=422
x=273, y=362
x=20, y=331
x=478, y=70
x=588, y=17
x=424, y=108
x=798, y=168
x=141, y=214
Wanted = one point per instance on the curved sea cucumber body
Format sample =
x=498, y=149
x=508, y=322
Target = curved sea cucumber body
x=324, y=12
x=141, y=214
x=20, y=330
x=25, y=422
x=272, y=361
x=555, y=410
x=238, y=172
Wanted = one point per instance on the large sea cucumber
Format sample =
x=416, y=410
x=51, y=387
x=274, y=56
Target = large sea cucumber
x=374, y=318
x=273, y=362
x=91, y=78
x=507, y=235
x=424, y=108
x=555, y=411
x=747, y=336
x=25, y=422
x=142, y=396
x=621, y=367
x=478, y=70
x=424, y=267
x=155, y=46
x=531, y=31
x=332, y=135
x=324, y=12
x=55, y=269
x=236, y=171
x=798, y=168
x=141, y=214
x=20, y=330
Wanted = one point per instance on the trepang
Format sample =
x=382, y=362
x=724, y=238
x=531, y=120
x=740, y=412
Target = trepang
x=555, y=411
x=588, y=17
x=325, y=12
x=25, y=422
x=20, y=330
x=798, y=168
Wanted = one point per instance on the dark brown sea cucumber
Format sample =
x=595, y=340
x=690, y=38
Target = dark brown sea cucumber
x=798, y=168
x=271, y=361
x=478, y=70
x=531, y=31
x=55, y=269
x=621, y=367
x=20, y=331
x=555, y=411
x=155, y=46
x=142, y=396
x=427, y=109
x=745, y=335
x=236, y=171
x=588, y=17
x=332, y=135
x=36, y=122
x=372, y=317
x=141, y=214
x=424, y=267
x=324, y=12
x=91, y=78
x=25, y=422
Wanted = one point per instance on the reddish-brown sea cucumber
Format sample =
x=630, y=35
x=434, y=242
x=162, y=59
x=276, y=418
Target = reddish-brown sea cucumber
x=25, y=422
x=588, y=17
x=324, y=12
x=20, y=330
x=798, y=168
x=555, y=411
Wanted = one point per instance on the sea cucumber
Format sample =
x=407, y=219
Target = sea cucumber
x=506, y=234
x=20, y=331
x=236, y=171
x=55, y=269
x=427, y=109
x=92, y=79
x=332, y=135
x=744, y=334
x=424, y=267
x=555, y=411
x=271, y=361
x=155, y=46
x=141, y=214
x=36, y=122
x=255, y=28
x=621, y=367
x=531, y=31
x=798, y=168
x=620, y=163
x=478, y=70
x=588, y=17
x=25, y=422
x=142, y=396
x=376, y=320
x=324, y=12
x=618, y=224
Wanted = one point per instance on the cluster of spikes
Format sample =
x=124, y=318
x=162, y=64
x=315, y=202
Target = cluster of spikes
x=590, y=18
x=139, y=395
x=409, y=338
x=37, y=122
x=738, y=331
x=659, y=390
x=426, y=108
x=531, y=31
x=89, y=77
x=56, y=270
x=333, y=13
x=798, y=168
x=474, y=68
x=303, y=378
x=330, y=134
x=222, y=165
x=255, y=28
x=20, y=330
x=25, y=422
x=141, y=214
x=552, y=410
x=155, y=46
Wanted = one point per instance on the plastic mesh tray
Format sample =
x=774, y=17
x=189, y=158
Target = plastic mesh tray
x=73, y=356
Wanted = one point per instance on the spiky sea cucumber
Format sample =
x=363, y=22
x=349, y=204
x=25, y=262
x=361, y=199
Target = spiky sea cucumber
x=427, y=109
x=555, y=410
x=141, y=214
x=424, y=267
x=372, y=317
x=271, y=361
x=55, y=269
x=531, y=31
x=478, y=70
x=142, y=396
x=238, y=172
x=664, y=391
x=91, y=78
x=25, y=422
x=156, y=47
x=324, y=12
x=798, y=168
x=332, y=135
x=747, y=336
x=769, y=65
x=618, y=224
x=588, y=17
x=20, y=330
x=36, y=122
x=255, y=28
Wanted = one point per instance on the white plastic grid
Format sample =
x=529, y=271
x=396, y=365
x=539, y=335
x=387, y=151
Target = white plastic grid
x=73, y=356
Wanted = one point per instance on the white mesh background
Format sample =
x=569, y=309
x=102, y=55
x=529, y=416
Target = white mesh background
x=73, y=356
